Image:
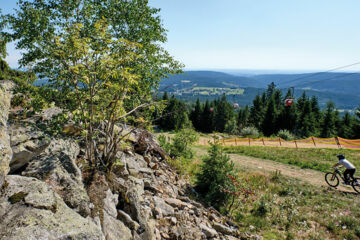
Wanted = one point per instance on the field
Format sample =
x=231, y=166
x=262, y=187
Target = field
x=317, y=159
x=290, y=201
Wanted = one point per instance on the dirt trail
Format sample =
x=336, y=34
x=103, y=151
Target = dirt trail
x=313, y=177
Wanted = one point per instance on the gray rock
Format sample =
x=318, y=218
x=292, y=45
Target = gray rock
x=30, y=209
x=5, y=149
x=114, y=229
x=165, y=208
x=110, y=203
x=127, y=220
x=209, y=232
x=49, y=113
x=56, y=165
x=27, y=142
x=222, y=228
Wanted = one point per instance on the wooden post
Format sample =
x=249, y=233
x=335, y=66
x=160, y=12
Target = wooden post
x=263, y=141
x=235, y=142
x=249, y=141
x=280, y=141
x=338, y=142
x=224, y=142
x=313, y=141
x=295, y=144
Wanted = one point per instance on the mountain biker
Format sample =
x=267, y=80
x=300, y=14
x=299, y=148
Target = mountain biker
x=350, y=169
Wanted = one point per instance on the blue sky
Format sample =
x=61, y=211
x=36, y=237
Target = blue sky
x=257, y=34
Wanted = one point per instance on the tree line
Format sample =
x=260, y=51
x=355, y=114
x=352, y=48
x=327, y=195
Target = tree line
x=267, y=116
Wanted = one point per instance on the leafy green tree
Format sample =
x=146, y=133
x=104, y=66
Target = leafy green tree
x=213, y=178
x=104, y=54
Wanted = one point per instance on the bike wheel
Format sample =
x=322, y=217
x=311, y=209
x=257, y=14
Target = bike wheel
x=356, y=185
x=332, y=179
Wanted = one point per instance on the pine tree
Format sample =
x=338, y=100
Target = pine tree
x=328, y=128
x=243, y=117
x=206, y=119
x=195, y=115
x=268, y=125
x=305, y=126
x=224, y=114
x=213, y=176
x=257, y=112
x=345, y=129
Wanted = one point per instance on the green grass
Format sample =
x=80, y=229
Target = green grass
x=284, y=208
x=317, y=159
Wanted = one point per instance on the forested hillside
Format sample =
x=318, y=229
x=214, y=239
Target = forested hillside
x=341, y=88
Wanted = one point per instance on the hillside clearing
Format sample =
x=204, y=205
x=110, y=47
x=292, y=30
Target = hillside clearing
x=310, y=176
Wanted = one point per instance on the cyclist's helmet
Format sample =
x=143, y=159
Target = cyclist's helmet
x=341, y=156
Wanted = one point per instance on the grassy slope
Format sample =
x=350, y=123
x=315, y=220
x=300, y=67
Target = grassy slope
x=317, y=159
x=285, y=208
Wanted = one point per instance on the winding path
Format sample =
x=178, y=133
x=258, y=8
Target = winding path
x=310, y=176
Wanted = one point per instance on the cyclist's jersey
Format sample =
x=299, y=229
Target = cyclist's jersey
x=346, y=164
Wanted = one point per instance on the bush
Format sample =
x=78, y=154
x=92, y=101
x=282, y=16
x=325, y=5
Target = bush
x=285, y=134
x=231, y=127
x=213, y=178
x=249, y=132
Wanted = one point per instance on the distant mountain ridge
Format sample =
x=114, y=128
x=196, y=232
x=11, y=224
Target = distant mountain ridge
x=341, y=88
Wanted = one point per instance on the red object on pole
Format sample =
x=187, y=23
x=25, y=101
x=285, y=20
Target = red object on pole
x=263, y=141
x=313, y=141
x=235, y=142
x=249, y=141
x=295, y=144
x=289, y=102
x=280, y=141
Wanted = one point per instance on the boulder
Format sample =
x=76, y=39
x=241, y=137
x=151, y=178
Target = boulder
x=56, y=166
x=5, y=149
x=208, y=231
x=222, y=228
x=30, y=209
x=26, y=142
x=113, y=229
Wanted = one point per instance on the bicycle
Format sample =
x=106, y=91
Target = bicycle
x=332, y=178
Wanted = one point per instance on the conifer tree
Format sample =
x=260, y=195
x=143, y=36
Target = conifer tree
x=328, y=128
x=268, y=125
x=306, y=120
x=195, y=115
x=206, y=118
x=345, y=129
x=243, y=117
x=257, y=112
x=224, y=113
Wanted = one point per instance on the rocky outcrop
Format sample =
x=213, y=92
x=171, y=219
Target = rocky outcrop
x=56, y=166
x=30, y=209
x=53, y=194
x=5, y=149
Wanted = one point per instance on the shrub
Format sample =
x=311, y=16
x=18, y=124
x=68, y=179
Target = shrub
x=285, y=134
x=249, y=132
x=213, y=178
